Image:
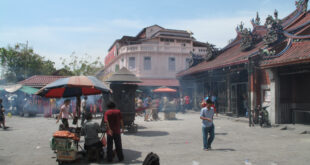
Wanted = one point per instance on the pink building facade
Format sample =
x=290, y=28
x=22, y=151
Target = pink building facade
x=155, y=54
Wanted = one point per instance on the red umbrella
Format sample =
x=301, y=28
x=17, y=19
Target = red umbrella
x=164, y=90
x=73, y=86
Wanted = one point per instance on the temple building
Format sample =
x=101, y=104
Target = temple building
x=154, y=55
x=268, y=65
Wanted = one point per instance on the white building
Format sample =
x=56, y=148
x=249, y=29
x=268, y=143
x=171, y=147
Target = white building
x=155, y=55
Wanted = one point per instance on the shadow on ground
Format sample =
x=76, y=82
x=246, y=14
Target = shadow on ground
x=131, y=157
x=141, y=127
x=223, y=149
x=223, y=133
x=7, y=129
x=149, y=133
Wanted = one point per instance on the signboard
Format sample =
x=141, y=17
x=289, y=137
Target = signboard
x=267, y=96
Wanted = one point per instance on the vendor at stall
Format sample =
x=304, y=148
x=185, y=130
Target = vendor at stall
x=91, y=130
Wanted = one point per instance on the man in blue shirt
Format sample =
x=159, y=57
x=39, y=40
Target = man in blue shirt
x=206, y=115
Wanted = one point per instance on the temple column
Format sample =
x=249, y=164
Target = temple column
x=273, y=110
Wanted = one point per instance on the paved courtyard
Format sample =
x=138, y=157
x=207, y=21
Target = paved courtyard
x=176, y=142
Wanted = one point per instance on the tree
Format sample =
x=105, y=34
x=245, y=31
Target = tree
x=20, y=62
x=82, y=65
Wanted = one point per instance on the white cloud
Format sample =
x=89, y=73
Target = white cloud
x=216, y=31
x=54, y=42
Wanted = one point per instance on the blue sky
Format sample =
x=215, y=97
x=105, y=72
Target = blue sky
x=56, y=28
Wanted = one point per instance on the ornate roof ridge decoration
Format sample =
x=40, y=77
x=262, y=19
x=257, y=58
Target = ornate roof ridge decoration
x=247, y=39
x=211, y=53
x=240, y=27
x=195, y=59
x=269, y=54
x=302, y=5
x=256, y=22
x=274, y=29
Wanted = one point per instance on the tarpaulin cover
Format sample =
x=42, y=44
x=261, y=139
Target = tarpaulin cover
x=29, y=90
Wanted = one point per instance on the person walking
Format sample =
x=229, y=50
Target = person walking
x=155, y=106
x=148, y=108
x=115, y=126
x=84, y=110
x=64, y=114
x=187, y=102
x=2, y=116
x=182, y=102
x=206, y=115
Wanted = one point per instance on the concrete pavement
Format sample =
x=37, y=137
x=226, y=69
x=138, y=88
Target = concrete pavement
x=176, y=142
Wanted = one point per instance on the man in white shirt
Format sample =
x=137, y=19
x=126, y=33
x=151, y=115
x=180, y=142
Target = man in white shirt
x=206, y=115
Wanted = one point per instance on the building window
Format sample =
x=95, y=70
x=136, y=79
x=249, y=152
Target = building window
x=166, y=40
x=187, y=63
x=132, y=63
x=116, y=67
x=147, y=63
x=171, y=64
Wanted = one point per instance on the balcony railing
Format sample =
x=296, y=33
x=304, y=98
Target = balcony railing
x=159, y=48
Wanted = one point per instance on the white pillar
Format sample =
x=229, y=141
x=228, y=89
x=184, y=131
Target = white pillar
x=274, y=114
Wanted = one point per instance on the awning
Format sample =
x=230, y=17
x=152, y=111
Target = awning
x=29, y=90
x=12, y=88
x=18, y=87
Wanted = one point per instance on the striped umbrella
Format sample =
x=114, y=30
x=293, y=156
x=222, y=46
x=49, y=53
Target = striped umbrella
x=73, y=86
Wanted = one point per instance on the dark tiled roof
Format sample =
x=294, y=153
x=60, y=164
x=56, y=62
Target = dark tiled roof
x=229, y=57
x=159, y=82
x=301, y=21
x=39, y=81
x=299, y=52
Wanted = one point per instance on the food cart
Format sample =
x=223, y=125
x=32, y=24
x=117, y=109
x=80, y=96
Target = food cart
x=65, y=142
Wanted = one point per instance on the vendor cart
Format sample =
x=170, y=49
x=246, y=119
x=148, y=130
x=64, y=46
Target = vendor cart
x=65, y=144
